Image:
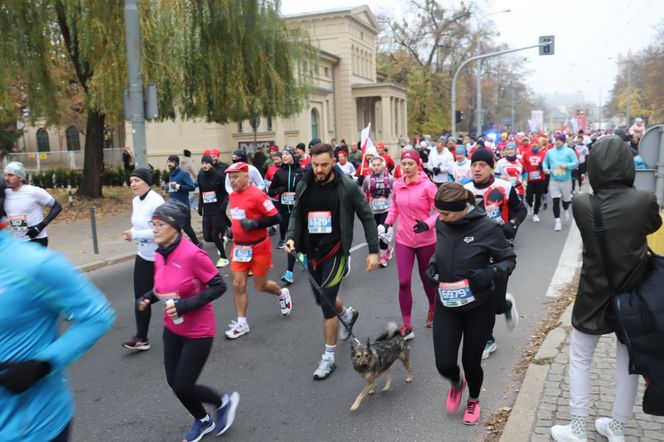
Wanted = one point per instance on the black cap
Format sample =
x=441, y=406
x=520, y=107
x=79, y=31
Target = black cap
x=207, y=159
x=174, y=158
x=301, y=146
x=314, y=142
x=143, y=174
x=172, y=212
x=482, y=154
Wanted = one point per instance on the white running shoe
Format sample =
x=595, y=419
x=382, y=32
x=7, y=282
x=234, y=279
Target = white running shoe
x=530, y=210
x=558, y=225
x=512, y=315
x=563, y=433
x=489, y=348
x=285, y=303
x=325, y=368
x=536, y=218
x=235, y=330
x=603, y=428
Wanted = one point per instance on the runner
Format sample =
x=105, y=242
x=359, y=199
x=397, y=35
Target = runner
x=283, y=189
x=384, y=153
x=321, y=227
x=502, y=204
x=558, y=164
x=25, y=205
x=303, y=158
x=143, y=205
x=510, y=168
x=378, y=188
x=179, y=185
x=440, y=163
x=188, y=282
x=461, y=172
x=38, y=288
x=532, y=163
x=579, y=174
x=255, y=177
x=355, y=155
x=470, y=254
x=252, y=213
x=277, y=161
x=346, y=167
x=411, y=207
x=212, y=204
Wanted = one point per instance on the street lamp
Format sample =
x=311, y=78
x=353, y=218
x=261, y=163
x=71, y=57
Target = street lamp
x=478, y=116
x=599, y=104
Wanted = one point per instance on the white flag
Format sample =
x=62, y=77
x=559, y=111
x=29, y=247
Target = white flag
x=367, y=145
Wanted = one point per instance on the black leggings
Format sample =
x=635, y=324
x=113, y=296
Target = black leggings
x=143, y=282
x=535, y=190
x=213, y=231
x=556, y=207
x=41, y=241
x=578, y=175
x=475, y=325
x=328, y=275
x=188, y=229
x=184, y=359
x=380, y=219
x=284, y=218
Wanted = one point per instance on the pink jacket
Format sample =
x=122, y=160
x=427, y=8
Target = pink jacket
x=410, y=202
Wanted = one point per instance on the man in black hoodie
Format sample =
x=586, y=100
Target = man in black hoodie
x=212, y=203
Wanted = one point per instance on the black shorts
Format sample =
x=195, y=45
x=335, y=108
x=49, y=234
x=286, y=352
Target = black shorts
x=213, y=227
x=329, y=275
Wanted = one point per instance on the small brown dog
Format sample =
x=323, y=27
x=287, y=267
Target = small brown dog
x=373, y=359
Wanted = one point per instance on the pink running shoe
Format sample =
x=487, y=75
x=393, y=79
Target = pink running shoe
x=454, y=397
x=472, y=414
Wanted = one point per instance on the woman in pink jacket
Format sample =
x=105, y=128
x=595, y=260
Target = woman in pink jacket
x=412, y=206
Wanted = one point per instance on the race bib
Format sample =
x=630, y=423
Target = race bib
x=209, y=197
x=378, y=204
x=242, y=253
x=167, y=296
x=320, y=222
x=238, y=214
x=493, y=212
x=455, y=294
x=18, y=223
x=172, y=186
x=558, y=171
x=536, y=175
x=288, y=198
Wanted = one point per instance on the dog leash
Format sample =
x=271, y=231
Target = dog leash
x=321, y=295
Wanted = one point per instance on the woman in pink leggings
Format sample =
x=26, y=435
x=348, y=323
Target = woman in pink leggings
x=412, y=207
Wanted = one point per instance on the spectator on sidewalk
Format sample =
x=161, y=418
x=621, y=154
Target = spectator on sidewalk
x=629, y=216
x=187, y=164
x=179, y=186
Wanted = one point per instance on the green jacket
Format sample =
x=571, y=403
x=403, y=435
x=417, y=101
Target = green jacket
x=629, y=216
x=351, y=202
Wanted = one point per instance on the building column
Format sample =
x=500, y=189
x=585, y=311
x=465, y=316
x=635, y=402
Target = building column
x=404, y=120
x=386, y=120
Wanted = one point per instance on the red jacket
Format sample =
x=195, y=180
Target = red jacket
x=389, y=162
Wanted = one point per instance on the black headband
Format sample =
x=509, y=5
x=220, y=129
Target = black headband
x=451, y=206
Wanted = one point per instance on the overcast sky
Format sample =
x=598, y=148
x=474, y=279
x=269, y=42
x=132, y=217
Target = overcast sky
x=590, y=34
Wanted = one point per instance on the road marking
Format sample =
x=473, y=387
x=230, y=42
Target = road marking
x=357, y=247
x=569, y=263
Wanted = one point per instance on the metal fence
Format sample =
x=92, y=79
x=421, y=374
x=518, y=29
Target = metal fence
x=65, y=159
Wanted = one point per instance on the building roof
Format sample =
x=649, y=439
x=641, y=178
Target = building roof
x=352, y=11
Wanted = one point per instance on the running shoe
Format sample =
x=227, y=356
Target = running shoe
x=222, y=262
x=512, y=315
x=285, y=303
x=225, y=414
x=472, y=414
x=530, y=210
x=272, y=231
x=536, y=218
x=235, y=330
x=489, y=348
x=287, y=277
x=558, y=225
x=454, y=397
x=325, y=368
x=429, y=322
x=136, y=343
x=389, y=253
x=383, y=260
x=564, y=433
x=343, y=333
x=603, y=427
x=198, y=430
x=281, y=244
x=407, y=333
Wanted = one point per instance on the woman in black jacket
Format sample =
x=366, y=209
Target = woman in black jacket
x=282, y=189
x=471, y=252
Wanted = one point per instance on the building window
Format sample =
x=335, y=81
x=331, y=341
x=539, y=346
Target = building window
x=73, y=138
x=327, y=72
x=315, y=123
x=239, y=126
x=42, y=141
x=269, y=124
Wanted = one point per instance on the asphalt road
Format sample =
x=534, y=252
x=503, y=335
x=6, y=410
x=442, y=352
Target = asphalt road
x=124, y=396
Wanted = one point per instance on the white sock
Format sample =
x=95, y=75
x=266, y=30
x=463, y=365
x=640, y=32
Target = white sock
x=330, y=350
x=205, y=419
x=346, y=315
x=242, y=320
x=283, y=294
x=617, y=427
x=578, y=426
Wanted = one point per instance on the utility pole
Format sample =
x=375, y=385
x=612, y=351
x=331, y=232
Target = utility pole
x=136, y=111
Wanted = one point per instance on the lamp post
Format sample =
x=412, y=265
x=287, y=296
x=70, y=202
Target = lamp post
x=599, y=104
x=478, y=116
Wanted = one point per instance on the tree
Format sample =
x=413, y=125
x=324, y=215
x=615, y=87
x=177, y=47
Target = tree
x=8, y=136
x=222, y=60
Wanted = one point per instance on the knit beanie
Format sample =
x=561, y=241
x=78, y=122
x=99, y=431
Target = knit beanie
x=143, y=174
x=172, y=212
x=482, y=154
x=175, y=159
x=206, y=159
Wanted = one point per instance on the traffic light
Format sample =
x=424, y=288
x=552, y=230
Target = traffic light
x=547, y=43
x=459, y=116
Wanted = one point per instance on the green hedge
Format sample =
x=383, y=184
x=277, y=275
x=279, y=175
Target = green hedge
x=60, y=177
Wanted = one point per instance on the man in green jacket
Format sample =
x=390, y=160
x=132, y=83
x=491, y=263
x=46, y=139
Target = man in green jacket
x=629, y=216
x=321, y=227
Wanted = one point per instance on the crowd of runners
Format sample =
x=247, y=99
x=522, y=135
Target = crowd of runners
x=454, y=205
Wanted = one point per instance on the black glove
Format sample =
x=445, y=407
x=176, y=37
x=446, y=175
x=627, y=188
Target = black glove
x=483, y=278
x=35, y=230
x=17, y=377
x=200, y=210
x=249, y=224
x=436, y=170
x=509, y=229
x=360, y=180
x=432, y=275
x=420, y=226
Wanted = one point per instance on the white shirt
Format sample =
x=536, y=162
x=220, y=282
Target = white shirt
x=141, y=231
x=25, y=208
x=443, y=161
x=348, y=169
x=255, y=179
x=461, y=172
